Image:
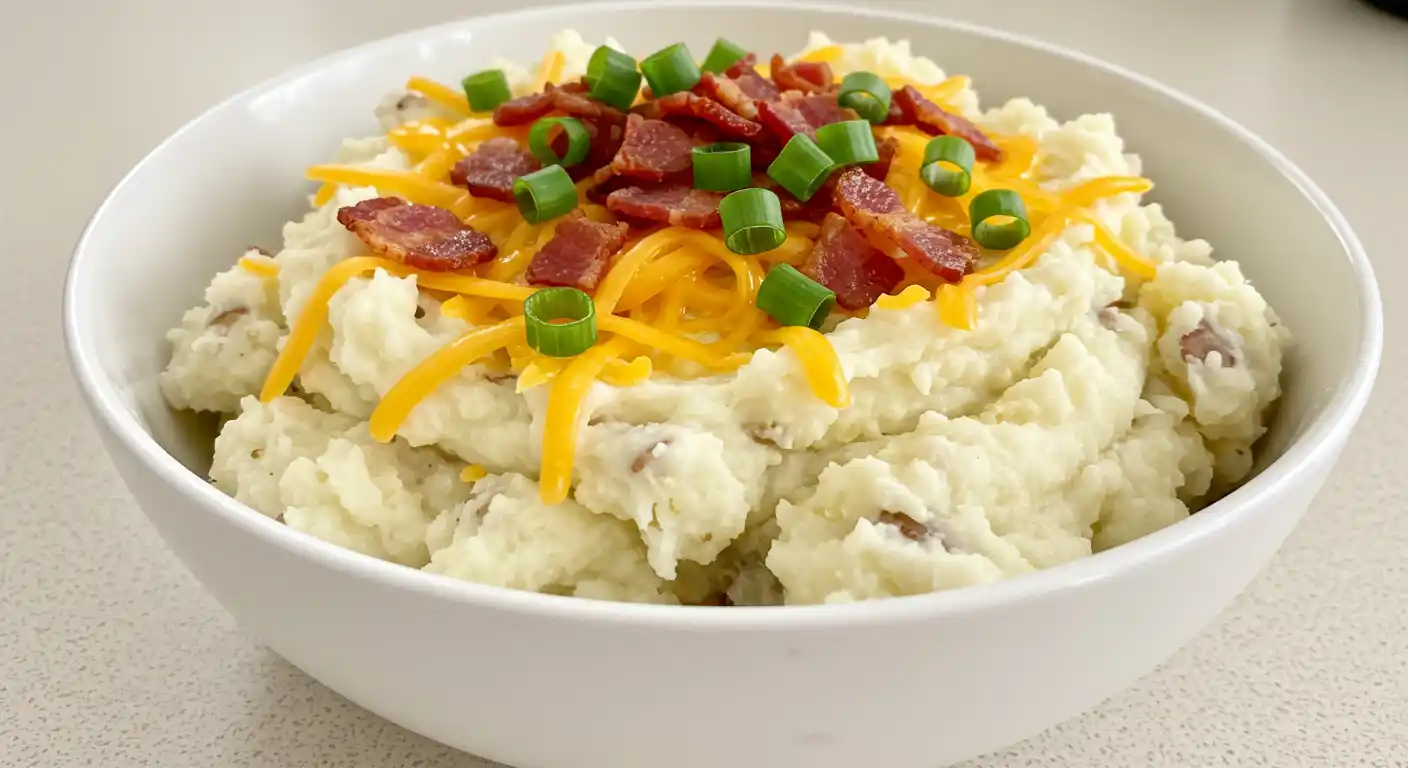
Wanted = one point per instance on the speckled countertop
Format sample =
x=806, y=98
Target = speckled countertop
x=114, y=656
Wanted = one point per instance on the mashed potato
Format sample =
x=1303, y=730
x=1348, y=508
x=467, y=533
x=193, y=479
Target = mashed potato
x=1085, y=409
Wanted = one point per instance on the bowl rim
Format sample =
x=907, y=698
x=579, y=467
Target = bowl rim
x=1322, y=436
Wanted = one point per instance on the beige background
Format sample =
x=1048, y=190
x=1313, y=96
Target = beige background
x=112, y=655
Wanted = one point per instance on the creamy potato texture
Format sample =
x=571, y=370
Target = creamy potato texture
x=1085, y=408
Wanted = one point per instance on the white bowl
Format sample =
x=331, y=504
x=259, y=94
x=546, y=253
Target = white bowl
x=539, y=681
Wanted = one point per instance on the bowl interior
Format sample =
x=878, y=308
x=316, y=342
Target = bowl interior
x=229, y=180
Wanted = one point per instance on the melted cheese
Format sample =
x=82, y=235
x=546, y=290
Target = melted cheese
x=473, y=473
x=564, y=418
x=549, y=70
x=445, y=96
x=678, y=346
x=407, y=184
x=608, y=293
x=910, y=296
x=261, y=265
x=819, y=362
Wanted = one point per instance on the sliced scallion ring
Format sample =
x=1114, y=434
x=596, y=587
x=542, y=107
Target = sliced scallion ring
x=948, y=165
x=486, y=90
x=723, y=167
x=792, y=298
x=612, y=77
x=752, y=220
x=867, y=94
x=560, y=322
x=723, y=55
x=544, y=194
x=999, y=236
x=541, y=136
x=670, y=70
x=801, y=168
x=848, y=142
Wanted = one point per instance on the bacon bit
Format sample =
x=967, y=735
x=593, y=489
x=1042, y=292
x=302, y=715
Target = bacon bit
x=570, y=99
x=793, y=209
x=935, y=120
x=653, y=150
x=1204, y=340
x=887, y=148
x=489, y=171
x=421, y=236
x=877, y=211
x=843, y=261
x=678, y=204
x=754, y=86
x=908, y=527
x=686, y=104
x=804, y=76
x=578, y=253
x=795, y=113
x=728, y=93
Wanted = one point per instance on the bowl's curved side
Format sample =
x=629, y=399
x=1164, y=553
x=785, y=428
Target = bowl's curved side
x=903, y=682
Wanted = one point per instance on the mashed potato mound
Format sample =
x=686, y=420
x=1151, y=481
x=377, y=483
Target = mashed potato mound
x=1085, y=409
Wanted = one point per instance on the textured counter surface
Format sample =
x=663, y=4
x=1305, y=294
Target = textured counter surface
x=112, y=655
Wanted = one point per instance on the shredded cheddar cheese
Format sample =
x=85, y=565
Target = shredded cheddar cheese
x=262, y=266
x=563, y=418
x=549, y=70
x=473, y=473
x=904, y=299
x=445, y=96
x=819, y=362
x=408, y=184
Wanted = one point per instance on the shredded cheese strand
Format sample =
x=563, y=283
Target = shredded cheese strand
x=678, y=346
x=442, y=365
x=562, y=421
x=473, y=473
x=263, y=266
x=819, y=362
x=408, y=184
x=445, y=96
x=608, y=293
x=1123, y=255
x=549, y=70
x=910, y=296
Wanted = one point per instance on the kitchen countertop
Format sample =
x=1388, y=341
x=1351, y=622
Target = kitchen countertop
x=115, y=656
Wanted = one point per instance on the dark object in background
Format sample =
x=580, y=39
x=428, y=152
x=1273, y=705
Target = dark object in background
x=1398, y=8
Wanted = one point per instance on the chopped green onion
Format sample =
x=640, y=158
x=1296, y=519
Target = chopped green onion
x=541, y=136
x=994, y=203
x=942, y=152
x=792, y=298
x=544, y=194
x=848, y=142
x=867, y=94
x=612, y=77
x=752, y=220
x=801, y=168
x=670, y=70
x=486, y=90
x=560, y=322
x=723, y=167
x=723, y=55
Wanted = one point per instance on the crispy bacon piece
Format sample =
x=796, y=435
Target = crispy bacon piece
x=745, y=75
x=421, y=236
x=887, y=148
x=653, y=150
x=804, y=76
x=490, y=169
x=676, y=204
x=687, y=104
x=571, y=99
x=852, y=268
x=795, y=113
x=728, y=93
x=936, y=121
x=876, y=210
x=577, y=254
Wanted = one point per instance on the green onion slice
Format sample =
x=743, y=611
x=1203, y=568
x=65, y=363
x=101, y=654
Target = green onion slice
x=792, y=298
x=544, y=194
x=948, y=165
x=723, y=55
x=670, y=70
x=994, y=203
x=848, y=142
x=541, y=136
x=560, y=322
x=801, y=168
x=486, y=90
x=867, y=94
x=752, y=221
x=612, y=77
x=723, y=167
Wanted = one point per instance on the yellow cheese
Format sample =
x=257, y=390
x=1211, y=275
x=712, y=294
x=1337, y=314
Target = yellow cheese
x=407, y=184
x=678, y=346
x=819, y=362
x=549, y=70
x=656, y=276
x=442, y=365
x=1123, y=255
x=904, y=299
x=563, y=418
x=324, y=194
x=473, y=473
x=608, y=293
x=262, y=266
x=447, y=97
x=826, y=53
x=436, y=166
